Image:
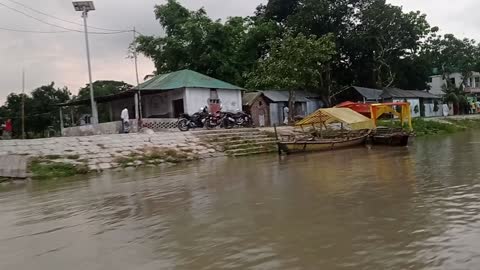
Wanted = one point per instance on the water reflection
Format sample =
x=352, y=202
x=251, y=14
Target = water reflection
x=377, y=208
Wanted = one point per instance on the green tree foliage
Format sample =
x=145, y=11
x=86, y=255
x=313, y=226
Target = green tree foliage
x=100, y=88
x=41, y=112
x=103, y=88
x=371, y=37
x=296, y=62
x=194, y=41
x=449, y=54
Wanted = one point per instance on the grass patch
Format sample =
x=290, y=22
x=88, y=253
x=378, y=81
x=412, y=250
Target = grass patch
x=42, y=169
x=423, y=127
x=156, y=154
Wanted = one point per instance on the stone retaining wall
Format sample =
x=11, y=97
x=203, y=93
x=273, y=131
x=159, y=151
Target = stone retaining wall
x=102, y=152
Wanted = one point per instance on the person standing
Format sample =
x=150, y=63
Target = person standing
x=125, y=120
x=7, y=130
x=286, y=111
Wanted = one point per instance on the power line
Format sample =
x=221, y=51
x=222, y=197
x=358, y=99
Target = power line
x=58, y=26
x=32, y=31
x=60, y=19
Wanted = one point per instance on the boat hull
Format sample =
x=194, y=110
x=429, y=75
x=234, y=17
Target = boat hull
x=313, y=146
x=392, y=140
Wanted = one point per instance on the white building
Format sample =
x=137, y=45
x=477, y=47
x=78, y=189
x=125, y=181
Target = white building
x=472, y=84
x=161, y=100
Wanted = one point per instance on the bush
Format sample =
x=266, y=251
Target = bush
x=45, y=170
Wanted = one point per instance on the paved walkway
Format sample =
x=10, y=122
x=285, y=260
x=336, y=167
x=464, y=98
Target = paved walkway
x=13, y=166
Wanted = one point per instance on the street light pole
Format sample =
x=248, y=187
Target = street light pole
x=92, y=97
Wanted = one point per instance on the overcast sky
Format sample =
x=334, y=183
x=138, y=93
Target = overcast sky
x=61, y=57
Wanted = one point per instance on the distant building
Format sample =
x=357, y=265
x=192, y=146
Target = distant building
x=359, y=94
x=472, y=84
x=163, y=98
x=258, y=106
x=268, y=105
x=422, y=103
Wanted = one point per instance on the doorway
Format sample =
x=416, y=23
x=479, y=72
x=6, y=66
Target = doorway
x=178, y=108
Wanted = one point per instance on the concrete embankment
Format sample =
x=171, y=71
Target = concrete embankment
x=102, y=152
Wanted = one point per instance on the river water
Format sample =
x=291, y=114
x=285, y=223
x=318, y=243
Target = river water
x=379, y=208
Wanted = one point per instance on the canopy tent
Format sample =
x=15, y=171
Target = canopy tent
x=398, y=109
x=361, y=108
x=347, y=116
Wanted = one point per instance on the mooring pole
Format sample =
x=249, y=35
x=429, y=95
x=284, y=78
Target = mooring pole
x=276, y=137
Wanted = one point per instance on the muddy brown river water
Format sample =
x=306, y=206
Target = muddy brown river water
x=379, y=208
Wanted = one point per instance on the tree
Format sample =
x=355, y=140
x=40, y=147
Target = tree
x=371, y=36
x=103, y=88
x=389, y=35
x=41, y=110
x=296, y=62
x=226, y=51
x=100, y=88
x=449, y=54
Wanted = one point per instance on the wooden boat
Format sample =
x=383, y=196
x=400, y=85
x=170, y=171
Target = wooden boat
x=317, y=144
x=390, y=136
x=316, y=136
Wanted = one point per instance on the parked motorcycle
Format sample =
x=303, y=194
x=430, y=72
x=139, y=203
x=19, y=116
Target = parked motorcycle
x=196, y=120
x=243, y=119
x=228, y=120
x=214, y=120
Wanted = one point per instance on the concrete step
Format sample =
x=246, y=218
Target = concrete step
x=252, y=152
x=228, y=134
x=253, y=149
x=225, y=131
x=259, y=139
x=234, y=146
x=232, y=137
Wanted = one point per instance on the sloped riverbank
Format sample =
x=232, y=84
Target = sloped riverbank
x=58, y=157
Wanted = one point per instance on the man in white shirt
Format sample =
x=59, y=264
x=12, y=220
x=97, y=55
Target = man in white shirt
x=125, y=120
x=286, y=110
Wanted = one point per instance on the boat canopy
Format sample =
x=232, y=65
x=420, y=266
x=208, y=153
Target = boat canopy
x=347, y=116
x=398, y=109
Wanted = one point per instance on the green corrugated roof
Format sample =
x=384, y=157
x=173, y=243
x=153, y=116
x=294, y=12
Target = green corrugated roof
x=185, y=78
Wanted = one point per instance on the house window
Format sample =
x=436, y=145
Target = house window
x=260, y=103
x=213, y=94
x=430, y=79
x=477, y=82
x=452, y=81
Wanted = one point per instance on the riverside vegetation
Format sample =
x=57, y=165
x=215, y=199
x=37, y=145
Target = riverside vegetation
x=424, y=127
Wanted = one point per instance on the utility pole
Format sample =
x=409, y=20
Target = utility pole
x=138, y=96
x=23, y=104
x=135, y=54
x=85, y=7
x=92, y=96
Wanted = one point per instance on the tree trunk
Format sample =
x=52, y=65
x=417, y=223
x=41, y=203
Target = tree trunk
x=291, y=106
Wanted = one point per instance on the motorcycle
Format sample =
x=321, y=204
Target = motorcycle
x=214, y=120
x=196, y=120
x=243, y=119
x=228, y=120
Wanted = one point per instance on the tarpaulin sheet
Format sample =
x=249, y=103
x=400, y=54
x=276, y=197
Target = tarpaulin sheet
x=347, y=116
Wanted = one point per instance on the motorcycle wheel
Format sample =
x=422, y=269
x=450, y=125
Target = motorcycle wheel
x=183, y=125
x=249, y=123
x=208, y=125
x=228, y=125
